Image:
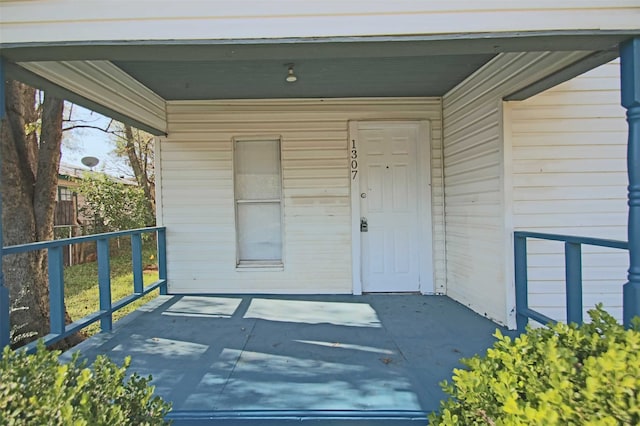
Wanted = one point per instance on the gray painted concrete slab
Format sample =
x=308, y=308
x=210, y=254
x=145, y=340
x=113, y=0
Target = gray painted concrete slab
x=255, y=352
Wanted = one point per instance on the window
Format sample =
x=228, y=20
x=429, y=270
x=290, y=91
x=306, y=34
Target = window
x=64, y=194
x=258, y=194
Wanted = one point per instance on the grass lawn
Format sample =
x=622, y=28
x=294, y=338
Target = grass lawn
x=81, y=284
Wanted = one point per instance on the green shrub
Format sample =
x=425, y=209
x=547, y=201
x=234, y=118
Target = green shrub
x=562, y=375
x=113, y=206
x=39, y=390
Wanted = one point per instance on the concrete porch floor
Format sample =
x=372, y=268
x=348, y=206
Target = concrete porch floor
x=255, y=352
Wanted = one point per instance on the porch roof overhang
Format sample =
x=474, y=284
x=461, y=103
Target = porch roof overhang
x=133, y=80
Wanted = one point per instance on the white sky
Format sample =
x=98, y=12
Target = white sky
x=82, y=142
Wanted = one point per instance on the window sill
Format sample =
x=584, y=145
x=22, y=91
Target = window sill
x=259, y=267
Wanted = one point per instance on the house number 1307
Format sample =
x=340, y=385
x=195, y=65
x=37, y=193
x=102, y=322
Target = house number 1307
x=354, y=160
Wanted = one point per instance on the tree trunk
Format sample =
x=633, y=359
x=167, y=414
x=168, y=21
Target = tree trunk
x=139, y=171
x=29, y=182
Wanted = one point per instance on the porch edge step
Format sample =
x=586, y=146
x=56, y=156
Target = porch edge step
x=315, y=417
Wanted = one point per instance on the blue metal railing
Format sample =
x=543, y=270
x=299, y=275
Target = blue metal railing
x=55, y=251
x=573, y=274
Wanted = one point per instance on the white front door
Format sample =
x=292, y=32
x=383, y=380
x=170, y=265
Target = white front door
x=389, y=204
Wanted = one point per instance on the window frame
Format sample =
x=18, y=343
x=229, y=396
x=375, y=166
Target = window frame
x=68, y=193
x=258, y=264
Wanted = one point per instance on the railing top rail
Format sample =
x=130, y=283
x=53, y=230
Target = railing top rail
x=601, y=242
x=22, y=248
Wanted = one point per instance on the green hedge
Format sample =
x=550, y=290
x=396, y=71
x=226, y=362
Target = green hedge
x=561, y=375
x=39, y=390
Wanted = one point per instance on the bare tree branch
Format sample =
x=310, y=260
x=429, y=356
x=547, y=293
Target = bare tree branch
x=86, y=126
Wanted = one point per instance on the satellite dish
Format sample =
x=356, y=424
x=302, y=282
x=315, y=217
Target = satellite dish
x=90, y=162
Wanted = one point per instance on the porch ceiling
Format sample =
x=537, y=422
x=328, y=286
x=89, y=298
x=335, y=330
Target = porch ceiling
x=346, y=67
x=256, y=69
x=317, y=78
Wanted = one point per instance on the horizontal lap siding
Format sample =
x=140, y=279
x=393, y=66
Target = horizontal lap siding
x=477, y=238
x=23, y=21
x=569, y=166
x=198, y=201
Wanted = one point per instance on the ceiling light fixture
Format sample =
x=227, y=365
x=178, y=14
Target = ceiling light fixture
x=291, y=77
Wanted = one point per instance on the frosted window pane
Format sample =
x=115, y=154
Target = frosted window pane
x=257, y=170
x=259, y=233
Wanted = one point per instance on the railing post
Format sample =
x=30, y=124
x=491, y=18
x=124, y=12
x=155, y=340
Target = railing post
x=522, y=291
x=5, y=327
x=55, y=257
x=573, y=275
x=136, y=260
x=162, y=259
x=104, y=283
x=630, y=93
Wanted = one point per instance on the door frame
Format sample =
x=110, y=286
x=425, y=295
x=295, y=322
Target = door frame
x=423, y=191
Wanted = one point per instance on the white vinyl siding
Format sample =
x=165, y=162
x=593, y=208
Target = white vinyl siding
x=569, y=177
x=197, y=192
x=101, y=20
x=478, y=238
